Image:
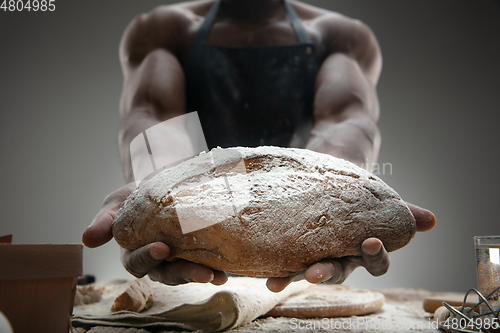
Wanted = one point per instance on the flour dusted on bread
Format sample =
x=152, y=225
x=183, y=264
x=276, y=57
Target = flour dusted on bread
x=263, y=212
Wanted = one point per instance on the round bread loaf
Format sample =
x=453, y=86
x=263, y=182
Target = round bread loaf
x=263, y=212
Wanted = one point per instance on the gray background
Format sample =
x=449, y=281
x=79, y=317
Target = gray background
x=60, y=84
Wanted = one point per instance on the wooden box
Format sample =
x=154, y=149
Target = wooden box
x=37, y=285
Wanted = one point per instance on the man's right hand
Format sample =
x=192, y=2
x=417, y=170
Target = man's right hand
x=149, y=259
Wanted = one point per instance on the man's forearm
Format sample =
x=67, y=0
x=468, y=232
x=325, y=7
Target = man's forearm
x=355, y=140
x=159, y=143
x=130, y=128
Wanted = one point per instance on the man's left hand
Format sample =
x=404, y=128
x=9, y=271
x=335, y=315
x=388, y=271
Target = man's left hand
x=374, y=259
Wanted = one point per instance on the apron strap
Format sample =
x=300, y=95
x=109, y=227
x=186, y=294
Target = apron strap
x=204, y=31
x=300, y=31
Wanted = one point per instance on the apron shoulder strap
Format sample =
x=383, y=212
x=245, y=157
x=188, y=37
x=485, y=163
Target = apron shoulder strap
x=204, y=31
x=300, y=31
x=206, y=26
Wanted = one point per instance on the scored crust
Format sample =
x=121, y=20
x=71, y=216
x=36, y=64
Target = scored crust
x=276, y=211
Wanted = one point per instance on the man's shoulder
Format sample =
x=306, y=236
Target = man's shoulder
x=312, y=15
x=175, y=15
x=336, y=33
x=334, y=28
x=166, y=26
x=189, y=10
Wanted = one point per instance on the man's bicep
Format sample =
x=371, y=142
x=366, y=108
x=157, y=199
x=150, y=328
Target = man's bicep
x=152, y=92
x=160, y=28
x=149, y=53
x=155, y=86
x=345, y=113
x=346, y=105
x=342, y=90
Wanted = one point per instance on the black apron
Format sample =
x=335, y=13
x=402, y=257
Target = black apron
x=255, y=95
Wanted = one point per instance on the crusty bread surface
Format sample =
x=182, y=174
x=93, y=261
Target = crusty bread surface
x=263, y=212
x=136, y=298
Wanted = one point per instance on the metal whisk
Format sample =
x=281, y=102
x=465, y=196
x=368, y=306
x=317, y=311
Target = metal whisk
x=466, y=319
